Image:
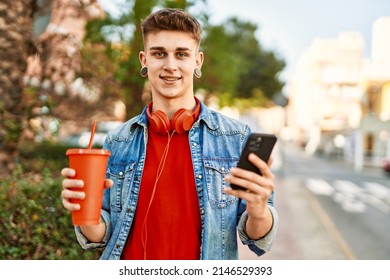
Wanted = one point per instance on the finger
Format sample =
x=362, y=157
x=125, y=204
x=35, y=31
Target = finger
x=250, y=180
x=241, y=181
x=68, y=172
x=263, y=188
x=270, y=161
x=70, y=206
x=248, y=195
x=72, y=183
x=245, y=175
x=260, y=164
x=69, y=194
x=108, y=183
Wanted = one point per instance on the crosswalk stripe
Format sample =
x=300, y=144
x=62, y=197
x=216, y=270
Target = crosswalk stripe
x=351, y=196
x=379, y=196
x=319, y=186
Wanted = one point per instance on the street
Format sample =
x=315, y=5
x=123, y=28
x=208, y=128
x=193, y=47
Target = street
x=328, y=211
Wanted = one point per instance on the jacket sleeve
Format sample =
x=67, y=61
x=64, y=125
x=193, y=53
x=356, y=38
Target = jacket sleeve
x=264, y=244
x=86, y=244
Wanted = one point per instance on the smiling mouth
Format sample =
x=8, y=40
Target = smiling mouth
x=170, y=79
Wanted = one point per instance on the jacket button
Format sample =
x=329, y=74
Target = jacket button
x=118, y=245
x=200, y=176
x=121, y=173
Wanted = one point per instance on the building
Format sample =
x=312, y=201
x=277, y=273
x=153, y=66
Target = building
x=375, y=124
x=327, y=89
x=340, y=100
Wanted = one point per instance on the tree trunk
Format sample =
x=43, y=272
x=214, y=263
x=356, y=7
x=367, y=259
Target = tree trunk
x=16, y=44
x=137, y=96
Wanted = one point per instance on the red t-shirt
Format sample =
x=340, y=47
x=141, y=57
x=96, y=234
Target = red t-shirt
x=172, y=229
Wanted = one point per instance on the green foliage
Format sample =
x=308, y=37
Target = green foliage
x=122, y=39
x=33, y=222
x=237, y=65
x=221, y=63
x=13, y=127
x=258, y=99
x=49, y=155
x=235, y=62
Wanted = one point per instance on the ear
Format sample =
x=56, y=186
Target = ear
x=142, y=58
x=199, y=59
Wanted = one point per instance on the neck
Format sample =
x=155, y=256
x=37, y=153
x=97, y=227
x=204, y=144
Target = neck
x=171, y=106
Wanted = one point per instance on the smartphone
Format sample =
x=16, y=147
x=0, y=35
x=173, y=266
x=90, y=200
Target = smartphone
x=260, y=144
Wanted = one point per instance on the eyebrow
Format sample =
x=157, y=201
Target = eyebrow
x=177, y=49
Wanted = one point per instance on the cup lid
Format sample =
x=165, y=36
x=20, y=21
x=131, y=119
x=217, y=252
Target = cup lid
x=88, y=152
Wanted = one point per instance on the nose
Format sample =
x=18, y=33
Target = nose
x=170, y=64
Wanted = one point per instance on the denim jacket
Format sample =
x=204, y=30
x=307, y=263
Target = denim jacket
x=216, y=142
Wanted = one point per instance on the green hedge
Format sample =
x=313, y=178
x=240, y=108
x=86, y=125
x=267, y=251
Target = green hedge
x=33, y=222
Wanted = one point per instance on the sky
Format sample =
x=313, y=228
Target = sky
x=288, y=27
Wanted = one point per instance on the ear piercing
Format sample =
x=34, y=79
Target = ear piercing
x=197, y=72
x=144, y=72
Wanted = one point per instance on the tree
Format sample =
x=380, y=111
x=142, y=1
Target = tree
x=130, y=79
x=128, y=38
x=236, y=64
x=16, y=44
x=65, y=78
x=221, y=63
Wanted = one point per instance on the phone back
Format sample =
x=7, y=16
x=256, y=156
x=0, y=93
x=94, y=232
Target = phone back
x=260, y=144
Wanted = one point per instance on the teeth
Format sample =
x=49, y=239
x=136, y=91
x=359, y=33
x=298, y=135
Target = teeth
x=171, y=79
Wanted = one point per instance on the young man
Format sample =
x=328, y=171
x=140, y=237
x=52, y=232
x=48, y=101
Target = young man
x=167, y=194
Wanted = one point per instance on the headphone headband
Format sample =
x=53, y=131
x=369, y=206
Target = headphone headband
x=181, y=121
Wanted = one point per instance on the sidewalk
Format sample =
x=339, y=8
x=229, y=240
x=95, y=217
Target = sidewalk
x=305, y=231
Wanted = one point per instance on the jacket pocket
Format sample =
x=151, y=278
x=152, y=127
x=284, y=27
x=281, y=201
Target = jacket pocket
x=121, y=174
x=216, y=170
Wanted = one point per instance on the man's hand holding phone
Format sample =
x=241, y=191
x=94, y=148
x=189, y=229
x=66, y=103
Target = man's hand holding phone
x=255, y=186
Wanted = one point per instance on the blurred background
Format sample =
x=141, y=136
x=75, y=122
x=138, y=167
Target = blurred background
x=316, y=74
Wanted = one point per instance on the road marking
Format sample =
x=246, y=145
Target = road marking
x=378, y=196
x=348, y=196
x=378, y=190
x=331, y=228
x=349, y=203
x=319, y=186
x=347, y=187
x=351, y=197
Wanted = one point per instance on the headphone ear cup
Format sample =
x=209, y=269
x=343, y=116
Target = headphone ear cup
x=182, y=121
x=160, y=122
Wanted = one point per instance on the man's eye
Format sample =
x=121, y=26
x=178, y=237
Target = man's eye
x=158, y=54
x=182, y=54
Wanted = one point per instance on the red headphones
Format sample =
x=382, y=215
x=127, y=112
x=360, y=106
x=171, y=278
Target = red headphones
x=181, y=121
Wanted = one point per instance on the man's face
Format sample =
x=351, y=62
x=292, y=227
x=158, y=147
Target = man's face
x=171, y=57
